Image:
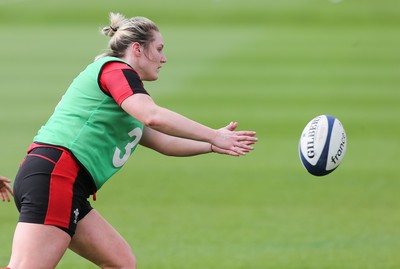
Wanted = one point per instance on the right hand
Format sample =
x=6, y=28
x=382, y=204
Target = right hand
x=231, y=142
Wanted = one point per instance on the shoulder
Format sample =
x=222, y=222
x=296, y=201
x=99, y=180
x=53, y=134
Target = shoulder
x=114, y=65
x=120, y=67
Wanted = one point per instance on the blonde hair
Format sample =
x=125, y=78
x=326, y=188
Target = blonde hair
x=124, y=32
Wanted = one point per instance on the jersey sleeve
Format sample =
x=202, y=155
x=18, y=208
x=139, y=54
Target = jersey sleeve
x=120, y=81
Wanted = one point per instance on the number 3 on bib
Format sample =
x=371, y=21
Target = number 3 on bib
x=117, y=160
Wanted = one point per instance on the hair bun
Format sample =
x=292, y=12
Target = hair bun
x=114, y=28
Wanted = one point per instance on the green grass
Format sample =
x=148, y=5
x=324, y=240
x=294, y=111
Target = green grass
x=272, y=66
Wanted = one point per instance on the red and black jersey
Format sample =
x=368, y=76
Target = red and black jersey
x=120, y=81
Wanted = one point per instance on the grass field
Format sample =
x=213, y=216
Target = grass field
x=271, y=66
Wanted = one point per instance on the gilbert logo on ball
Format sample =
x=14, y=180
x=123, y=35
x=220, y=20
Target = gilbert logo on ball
x=322, y=145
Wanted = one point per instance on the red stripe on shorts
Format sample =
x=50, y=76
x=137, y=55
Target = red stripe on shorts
x=61, y=191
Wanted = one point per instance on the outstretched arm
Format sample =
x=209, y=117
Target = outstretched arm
x=181, y=147
x=5, y=189
x=142, y=107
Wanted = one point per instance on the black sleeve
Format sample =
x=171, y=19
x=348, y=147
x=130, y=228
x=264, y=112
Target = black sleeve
x=134, y=81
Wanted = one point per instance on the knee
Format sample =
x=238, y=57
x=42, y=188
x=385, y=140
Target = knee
x=130, y=262
x=125, y=261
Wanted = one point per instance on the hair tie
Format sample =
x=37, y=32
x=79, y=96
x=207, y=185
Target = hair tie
x=114, y=29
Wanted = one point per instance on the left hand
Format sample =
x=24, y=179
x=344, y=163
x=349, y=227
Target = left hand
x=5, y=189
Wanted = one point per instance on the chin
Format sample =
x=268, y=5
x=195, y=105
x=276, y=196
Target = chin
x=150, y=78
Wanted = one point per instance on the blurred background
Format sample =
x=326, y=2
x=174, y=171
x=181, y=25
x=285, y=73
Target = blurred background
x=270, y=65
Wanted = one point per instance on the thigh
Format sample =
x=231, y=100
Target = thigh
x=96, y=240
x=38, y=246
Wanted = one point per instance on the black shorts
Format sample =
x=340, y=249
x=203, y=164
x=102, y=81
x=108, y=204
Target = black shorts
x=52, y=188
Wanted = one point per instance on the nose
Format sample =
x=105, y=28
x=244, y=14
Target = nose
x=163, y=59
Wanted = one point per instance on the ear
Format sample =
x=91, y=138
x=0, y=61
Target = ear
x=136, y=49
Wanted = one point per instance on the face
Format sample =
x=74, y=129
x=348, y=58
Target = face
x=151, y=59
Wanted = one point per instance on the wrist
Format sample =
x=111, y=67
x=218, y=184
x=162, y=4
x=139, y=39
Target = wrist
x=212, y=136
x=211, y=148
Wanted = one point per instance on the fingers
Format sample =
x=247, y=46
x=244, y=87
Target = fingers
x=10, y=190
x=247, y=135
x=241, y=150
x=232, y=126
x=5, y=189
x=237, y=150
x=5, y=196
x=4, y=179
x=245, y=141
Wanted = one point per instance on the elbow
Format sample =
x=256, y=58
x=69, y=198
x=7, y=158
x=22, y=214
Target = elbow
x=152, y=119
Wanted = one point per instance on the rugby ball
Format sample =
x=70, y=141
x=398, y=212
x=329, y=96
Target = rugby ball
x=322, y=145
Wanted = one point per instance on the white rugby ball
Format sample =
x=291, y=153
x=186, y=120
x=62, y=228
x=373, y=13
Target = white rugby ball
x=322, y=145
